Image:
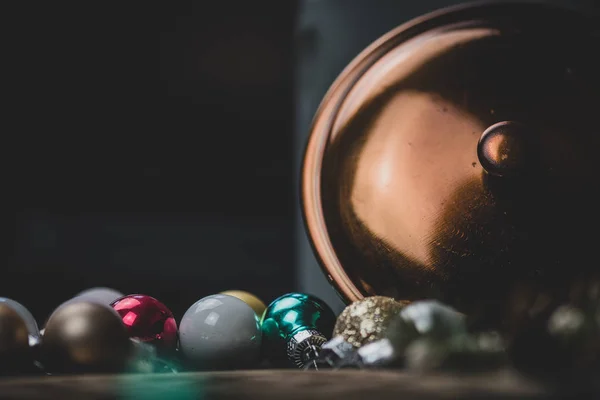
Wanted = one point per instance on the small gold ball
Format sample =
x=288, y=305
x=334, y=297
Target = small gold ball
x=254, y=302
x=366, y=320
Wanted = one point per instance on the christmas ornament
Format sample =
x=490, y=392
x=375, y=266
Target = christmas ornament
x=148, y=320
x=564, y=344
x=257, y=304
x=425, y=319
x=220, y=332
x=84, y=337
x=14, y=340
x=294, y=327
x=462, y=353
x=380, y=353
x=366, y=320
x=332, y=354
x=102, y=295
x=30, y=322
x=454, y=160
x=377, y=354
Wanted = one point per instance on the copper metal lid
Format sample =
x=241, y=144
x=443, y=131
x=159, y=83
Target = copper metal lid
x=457, y=158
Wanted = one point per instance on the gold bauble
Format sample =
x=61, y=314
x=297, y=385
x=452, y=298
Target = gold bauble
x=254, y=302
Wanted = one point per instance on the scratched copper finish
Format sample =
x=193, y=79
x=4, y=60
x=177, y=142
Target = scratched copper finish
x=457, y=158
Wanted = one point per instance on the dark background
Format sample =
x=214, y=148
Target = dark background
x=150, y=150
x=155, y=147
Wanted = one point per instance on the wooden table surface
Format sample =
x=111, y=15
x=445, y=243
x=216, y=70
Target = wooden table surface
x=280, y=384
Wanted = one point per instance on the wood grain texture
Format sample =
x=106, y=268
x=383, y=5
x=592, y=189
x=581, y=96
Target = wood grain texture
x=283, y=384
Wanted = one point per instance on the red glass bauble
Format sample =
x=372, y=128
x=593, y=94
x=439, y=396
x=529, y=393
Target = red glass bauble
x=148, y=320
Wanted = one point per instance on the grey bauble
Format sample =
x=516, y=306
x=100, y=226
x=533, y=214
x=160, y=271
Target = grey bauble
x=220, y=332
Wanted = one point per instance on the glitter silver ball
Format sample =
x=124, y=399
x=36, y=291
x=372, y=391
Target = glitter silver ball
x=366, y=320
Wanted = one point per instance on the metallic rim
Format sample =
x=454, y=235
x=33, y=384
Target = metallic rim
x=320, y=131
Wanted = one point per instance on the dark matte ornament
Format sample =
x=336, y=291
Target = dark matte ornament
x=15, y=354
x=85, y=337
x=456, y=159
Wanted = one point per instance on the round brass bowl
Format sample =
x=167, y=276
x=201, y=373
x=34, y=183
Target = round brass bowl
x=455, y=158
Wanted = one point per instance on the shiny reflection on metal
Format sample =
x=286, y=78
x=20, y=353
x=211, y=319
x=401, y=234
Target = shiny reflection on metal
x=503, y=149
x=84, y=337
x=395, y=196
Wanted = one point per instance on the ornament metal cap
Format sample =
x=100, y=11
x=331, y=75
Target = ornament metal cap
x=305, y=346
